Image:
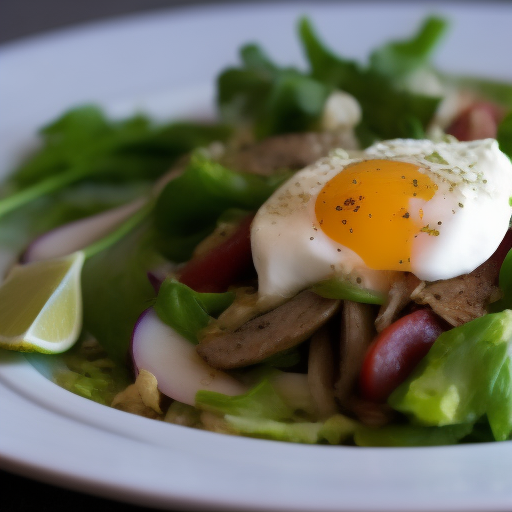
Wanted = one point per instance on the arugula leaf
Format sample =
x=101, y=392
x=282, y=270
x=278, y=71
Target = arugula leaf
x=271, y=99
x=242, y=91
x=397, y=59
x=300, y=432
x=276, y=100
x=388, y=111
x=189, y=206
x=294, y=105
x=84, y=145
x=186, y=310
x=465, y=375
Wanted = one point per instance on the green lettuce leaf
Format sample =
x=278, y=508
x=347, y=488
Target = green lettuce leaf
x=186, y=310
x=411, y=435
x=262, y=412
x=504, y=135
x=189, y=206
x=116, y=289
x=261, y=401
x=465, y=375
x=505, y=283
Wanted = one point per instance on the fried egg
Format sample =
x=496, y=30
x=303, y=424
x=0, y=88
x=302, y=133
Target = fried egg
x=437, y=210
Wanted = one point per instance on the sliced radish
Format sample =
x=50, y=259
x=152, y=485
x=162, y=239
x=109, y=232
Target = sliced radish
x=76, y=235
x=173, y=360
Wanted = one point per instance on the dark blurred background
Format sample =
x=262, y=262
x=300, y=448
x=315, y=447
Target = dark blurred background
x=21, y=18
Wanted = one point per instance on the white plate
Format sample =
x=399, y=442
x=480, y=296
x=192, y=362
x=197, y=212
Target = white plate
x=166, y=64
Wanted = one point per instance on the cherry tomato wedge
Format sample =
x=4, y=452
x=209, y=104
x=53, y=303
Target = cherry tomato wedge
x=396, y=351
x=478, y=121
x=223, y=265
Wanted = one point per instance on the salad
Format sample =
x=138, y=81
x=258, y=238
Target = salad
x=190, y=273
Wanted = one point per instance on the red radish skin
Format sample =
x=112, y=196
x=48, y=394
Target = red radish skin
x=179, y=370
x=478, y=121
x=76, y=235
x=396, y=351
x=223, y=265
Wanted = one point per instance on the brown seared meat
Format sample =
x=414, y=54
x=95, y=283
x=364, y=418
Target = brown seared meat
x=321, y=372
x=463, y=298
x=398, y=297
x=293, y=151
x=357, y=332
x=370, y=414
x=280, y=329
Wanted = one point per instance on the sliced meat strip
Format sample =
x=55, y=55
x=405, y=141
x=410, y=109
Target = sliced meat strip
x=398, y=297
x=321, y=371
x=357, y=332
x=371, y=414
x=292, y=151
x=463, y=298
x=280, y=329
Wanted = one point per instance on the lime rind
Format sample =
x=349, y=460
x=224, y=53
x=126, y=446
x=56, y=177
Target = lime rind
x=41, y=305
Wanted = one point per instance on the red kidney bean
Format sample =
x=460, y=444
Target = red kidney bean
x=396, y=351
x=478, y=121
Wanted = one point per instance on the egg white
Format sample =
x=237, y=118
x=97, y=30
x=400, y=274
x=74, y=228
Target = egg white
x=467, y=218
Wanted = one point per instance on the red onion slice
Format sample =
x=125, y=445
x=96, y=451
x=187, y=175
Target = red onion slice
x=76, y=235
x=173, y=360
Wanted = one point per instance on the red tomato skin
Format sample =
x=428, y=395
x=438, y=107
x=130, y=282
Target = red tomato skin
x=478, y=121
x=215, y=271
x=396, y=351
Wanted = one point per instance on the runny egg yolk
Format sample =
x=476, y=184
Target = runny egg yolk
x=374, y=208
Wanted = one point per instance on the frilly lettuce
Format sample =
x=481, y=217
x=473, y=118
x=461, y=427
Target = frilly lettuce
x=263, y=412
x=465, y=376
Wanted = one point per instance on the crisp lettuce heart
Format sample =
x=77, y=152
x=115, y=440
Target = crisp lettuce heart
x=466, y=374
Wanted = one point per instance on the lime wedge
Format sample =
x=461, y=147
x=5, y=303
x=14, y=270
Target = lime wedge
x=41, y=305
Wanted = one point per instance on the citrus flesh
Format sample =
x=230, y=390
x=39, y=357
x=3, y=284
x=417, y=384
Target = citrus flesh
x=41, y=305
